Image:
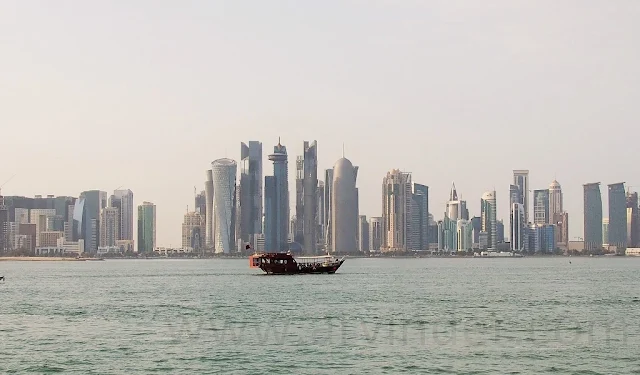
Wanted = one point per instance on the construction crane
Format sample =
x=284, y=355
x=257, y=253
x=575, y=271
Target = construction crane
x=6, y=182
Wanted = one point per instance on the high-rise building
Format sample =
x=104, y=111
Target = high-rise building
x=250, y=202
x=344, y=208
x=488, y=214
x=521, y=180
x=110, y=226
x=224, y=204
x=453, y=205
x=605, y=231
x=192, y=231
x=297, y=229
x=321, y=219
x=518, y=227
x=464, y=233
x=146, y=227
x=541, y=238
x=633, y=220
x=208, y=191
x=94, y=202
x=420, y=226
x=123, y=200
x=328, y=185
x=617, y=216
x=561, y=221
x=555, y=200
x=397, y=202
x=363, y=234
x=277, y=196
x=541, y=206
x=4, y=222
x=38, y=216
x=200, y=204
x=375, y=233
x=310, y=186
x=592, y=217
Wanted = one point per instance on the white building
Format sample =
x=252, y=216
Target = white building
x=224, y=194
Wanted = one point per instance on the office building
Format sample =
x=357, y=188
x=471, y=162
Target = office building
x=518, y=236
x=397, y=202
x=344, y=208
x=363, y=234
x=488, y=216
x=521, y=180
x=193, y=231
x=122, y=199
x=251, y=187
x=555, y=200
x=541, y=207
x=592, y=217
x=110, y=226
x=146, y=228
x=208, y=191
x=633, y=220
x=617, y=216
x=375, y=233
x=224, y=205
x=277, y=202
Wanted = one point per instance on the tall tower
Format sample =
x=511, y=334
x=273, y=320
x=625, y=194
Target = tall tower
x=146, y=227
x=123, y=200
x=94, y=202
x=208, y=191
x=518, y=227
x=250, y=201
x=109, y=226
x=375, y=233
x=633, y=220
x=617, y=216
x=279, y=200
x=555, y=200
x=344, y=208
x=420, y=226
x=592, y=217
x=310, y=191
x=328, y=186
x=521, y=180
x=224, y=187
x=541, y=207
x=396, y=210
x=488, y=215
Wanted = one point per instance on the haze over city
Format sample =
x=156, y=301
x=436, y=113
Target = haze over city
x=145, y=95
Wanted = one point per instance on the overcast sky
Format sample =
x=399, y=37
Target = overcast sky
x=145, y=94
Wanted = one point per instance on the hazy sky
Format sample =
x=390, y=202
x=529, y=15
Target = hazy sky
x=145, y=94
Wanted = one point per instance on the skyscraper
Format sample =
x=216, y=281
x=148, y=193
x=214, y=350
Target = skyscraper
x=518, y=227
x=488, y=215
x=617, y=216
x=420, y=227
x=521, y=180
x=605, y=231
x=146, y=227
x=344, y=208
x=123, y=200
x=541, y=206
x=200, y=205
x=208, y=191
x=592, y=217
x=298, y=228
x=192, y=229
x=321, y=220
x=328, y=185
x=109, y=226
x=224, y=204
x=250, y=201
x=555, y=200
x=363, y=234
x=310, y=186
x=396, y=210
x=94, y=202
x=633, y=220
x=277, y=195
x=375, y=233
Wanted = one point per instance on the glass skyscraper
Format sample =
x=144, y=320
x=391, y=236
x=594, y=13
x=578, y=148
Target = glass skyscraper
x=592, y=217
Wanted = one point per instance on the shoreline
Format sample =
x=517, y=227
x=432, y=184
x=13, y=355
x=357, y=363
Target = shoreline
x=46, y=259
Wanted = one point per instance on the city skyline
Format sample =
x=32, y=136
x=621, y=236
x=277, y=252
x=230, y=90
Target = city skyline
x=392, y=83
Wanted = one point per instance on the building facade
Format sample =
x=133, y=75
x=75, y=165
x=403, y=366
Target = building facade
x=521, y=180
x=617, y=216
x=146, y=228
x=224, y=205
x=397, y=202
x=592, y=217
x=344, y=209
x=488, y=215
x=251, y=188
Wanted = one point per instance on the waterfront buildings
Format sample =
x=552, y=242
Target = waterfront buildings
x=521, y=180
x=488, y=216
x=518, y=234
x=307, y=198
x=208, y=191
x=555, y=200
x=375, y=233
x=363, y=234
x=541, y=207
x=344, y=208
x=193, y=231
x=397, y=202
x=122, y=199
x=328, y=186
x=617, y=216
x=276, y=226
x=250, y=191
x=224, y=205
x=592, y=217
x=146, y=228
x=420, y=216
x=94, y=202
x=633, y=220
x=110, y=226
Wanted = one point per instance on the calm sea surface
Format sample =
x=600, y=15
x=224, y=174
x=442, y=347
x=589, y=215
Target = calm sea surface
x=375, y=316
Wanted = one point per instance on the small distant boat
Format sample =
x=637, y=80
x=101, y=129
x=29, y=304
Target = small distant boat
x=1, y=278
x=287, y=264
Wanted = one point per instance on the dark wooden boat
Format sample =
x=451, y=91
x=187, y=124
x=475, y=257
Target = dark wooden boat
x=286, y=264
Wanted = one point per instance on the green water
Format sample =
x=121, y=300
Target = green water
x=375, y=316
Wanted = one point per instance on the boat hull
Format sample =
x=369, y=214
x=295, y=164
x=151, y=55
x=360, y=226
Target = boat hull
x=285, y=264
x=277, y=269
